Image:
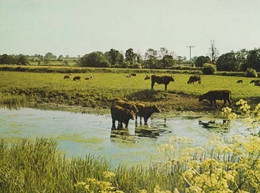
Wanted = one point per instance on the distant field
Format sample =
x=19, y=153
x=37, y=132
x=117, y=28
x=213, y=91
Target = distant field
x=17, y=88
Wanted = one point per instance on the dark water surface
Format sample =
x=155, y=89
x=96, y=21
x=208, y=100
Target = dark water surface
x=80, y=134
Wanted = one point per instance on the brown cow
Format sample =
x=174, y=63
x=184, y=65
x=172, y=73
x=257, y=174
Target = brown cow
x=145, y=112
x=126, y=105
x=193, y=79
x=161, y=80
x=66, y=76
x=121, y=114
x=133, y=74
x=257, y=83
x=240, y=81
x=212, y=96
x=76, y=78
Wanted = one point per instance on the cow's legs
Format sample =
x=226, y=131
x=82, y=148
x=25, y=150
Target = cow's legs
x=126, y=124
x=229, y=102
x=120, y=125
x=140, y=120
x=113, y=123
x=152, y=85
x=215, y=103
x=225, y=101
x=165, y=87
x=145, y=120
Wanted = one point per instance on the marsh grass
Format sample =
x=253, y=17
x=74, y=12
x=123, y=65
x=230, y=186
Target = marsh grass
x=38, y=166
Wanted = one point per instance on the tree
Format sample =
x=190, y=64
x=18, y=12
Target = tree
x=50, y=56
x=114, y=57
x=130, y=56
x=202, y=60
x=22, y=60
x=60, y=58
x=241, y=56
x=253, y=60
x=227, y=62
x=7, y=59
x=94, y=59
x=167, y=61
x=150, y=53
x=213, y=52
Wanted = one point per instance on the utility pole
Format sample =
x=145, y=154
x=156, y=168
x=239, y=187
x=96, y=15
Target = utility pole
x=190, y=51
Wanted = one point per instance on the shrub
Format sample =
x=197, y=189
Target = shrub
x=208, y=68
x=250, y=72
x=136, y=65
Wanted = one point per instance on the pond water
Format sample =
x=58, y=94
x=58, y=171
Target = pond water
x=80, y=134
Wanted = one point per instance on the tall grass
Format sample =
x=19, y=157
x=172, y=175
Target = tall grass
x=37, y=166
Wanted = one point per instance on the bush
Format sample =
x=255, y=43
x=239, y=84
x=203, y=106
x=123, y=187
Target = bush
x=136, y=65
x=208, y=69
x=250, y=72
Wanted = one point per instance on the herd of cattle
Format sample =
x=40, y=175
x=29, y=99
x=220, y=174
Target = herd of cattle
x=122, y=111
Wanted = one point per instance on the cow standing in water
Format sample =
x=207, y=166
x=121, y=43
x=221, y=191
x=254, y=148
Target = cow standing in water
x=122, y=111
x=145, y=112
x=214, y=95
x=161, y=80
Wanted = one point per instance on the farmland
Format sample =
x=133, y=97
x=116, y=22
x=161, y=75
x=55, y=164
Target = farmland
x=28, y=88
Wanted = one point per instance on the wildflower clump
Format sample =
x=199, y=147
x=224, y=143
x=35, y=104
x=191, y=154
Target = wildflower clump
x=102, y=186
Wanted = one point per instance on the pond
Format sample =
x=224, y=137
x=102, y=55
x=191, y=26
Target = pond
x=80, y=134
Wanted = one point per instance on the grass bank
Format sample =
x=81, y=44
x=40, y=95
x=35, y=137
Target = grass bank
x=24, y=88
x=37, y=166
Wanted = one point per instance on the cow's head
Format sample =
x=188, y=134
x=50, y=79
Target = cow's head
x=201, y=98
x=171, y=78
x=156, y=109
x=131, y=114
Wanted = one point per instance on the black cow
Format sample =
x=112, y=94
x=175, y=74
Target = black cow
x=193, y=79
x=240, y=81
x=161, y=80
x=212, y=96
x=76, y=78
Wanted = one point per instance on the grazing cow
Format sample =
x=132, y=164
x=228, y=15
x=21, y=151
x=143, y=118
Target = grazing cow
x=161, y=80
x=121, y=114
x=91, y=76
x=212, y=96
x=252, y=81
x=145, y=112
x=240, y=81
x=87, y=78
x=67, y=77
x=76, y=78
x=133, y=74
x=257, y=83
x=128, y=76
x=193, y=79
x=147, y=77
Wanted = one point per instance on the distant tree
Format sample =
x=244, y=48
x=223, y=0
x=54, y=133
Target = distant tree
x=50, y=56
x=7, y=59
x=130, y=56
x=22, y=60
x=67, y=56
x=241, y=56
x=152, y=62
x=139, y=59
x=253, y=60
x=150, y=53
x=94, y=59
x=227, y=62
x=60, y=58
x=202, y=60
x=167, y=61
x=114, y=57
x=213, y=52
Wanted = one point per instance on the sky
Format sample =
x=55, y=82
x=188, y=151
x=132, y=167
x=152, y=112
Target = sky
x=78, y=27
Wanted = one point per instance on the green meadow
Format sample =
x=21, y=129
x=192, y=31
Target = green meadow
x=21, y=88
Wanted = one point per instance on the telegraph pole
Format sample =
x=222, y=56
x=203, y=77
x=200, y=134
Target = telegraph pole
x=190, y=51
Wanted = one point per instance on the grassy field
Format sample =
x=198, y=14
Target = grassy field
x=19, y=88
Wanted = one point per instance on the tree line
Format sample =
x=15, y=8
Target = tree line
x=153, y=59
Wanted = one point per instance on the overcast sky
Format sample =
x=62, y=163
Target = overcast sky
x=77, y=27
